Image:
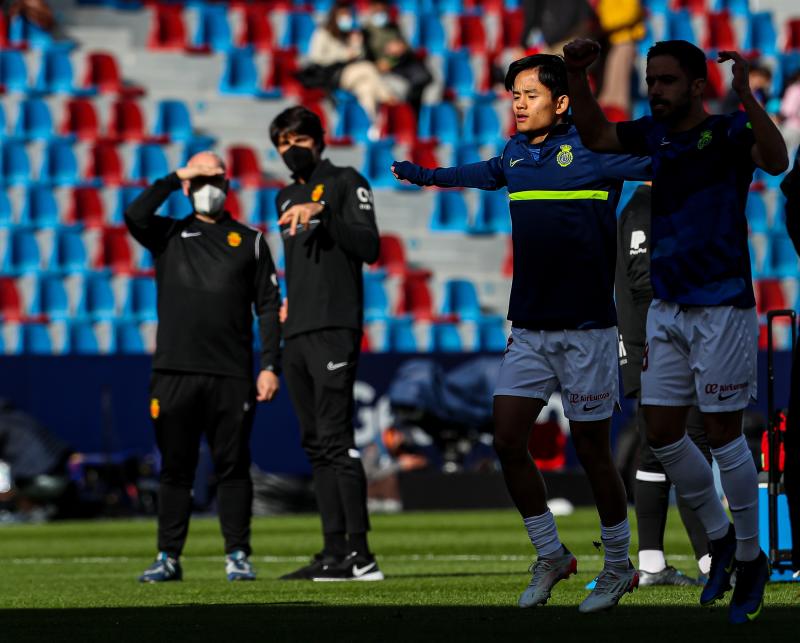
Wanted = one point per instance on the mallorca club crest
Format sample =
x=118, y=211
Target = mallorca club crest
x=316, y=195
x=705, y=139
x=565, y=156
x=234, y=239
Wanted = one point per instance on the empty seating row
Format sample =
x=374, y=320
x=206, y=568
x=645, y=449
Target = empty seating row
x=77, y=337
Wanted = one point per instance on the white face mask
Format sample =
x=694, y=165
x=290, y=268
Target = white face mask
x=208, y=200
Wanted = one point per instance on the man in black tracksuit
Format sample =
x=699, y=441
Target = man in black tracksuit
x=211, y=273
x=328, y=227
x=634, y=293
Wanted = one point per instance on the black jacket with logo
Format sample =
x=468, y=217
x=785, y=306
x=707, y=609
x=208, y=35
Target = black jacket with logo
x=324, y=261
x=209, y=276
x=632, y=286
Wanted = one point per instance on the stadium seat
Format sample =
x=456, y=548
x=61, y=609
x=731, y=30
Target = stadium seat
x=760, y=34
x=470, y=34
x=352, y=122
x=6, y=218
x=212, y=33
x=459, y=78
x=716, y=87
x=398, y=122
x=167, y=30
x=82, y=338
x=792, y=35
x=783, y=257
x=116, y=251
x=696, y=7
x=59, y=165
x=13, y=71
x=97, y=298
x=176, y=206
x=439, y=121
x=511, y=25
x=265, y=211
x=39, y=207
x=376, y=303
x=34, y=121
x=125, y=196
x=173, y=121
x=399, y=337
x=429, y=34
x=297, y=31
x=80, y=119
x=679, y=26
x=244, y=165
x=51, y=298
x=126, y=122
x=56, y=74
x=378, y=162
x=392, y=255
x=769, y=295
x=233, y=206
x=70, y=254
x=720, y=33
x=465, y=153
x=492, y=216
x=14, y=163
x=507, y=267
x=481, y=123
x=256, y=29
x=756, y=213
x=491, y=335
x=415, y=296
x=240, y=76
x=736, y=8
x=22, y=33
x=422, y=153
x=280, y=79
x=104, y=164
x=128, y=338
x=141, y=302
x=149, y=163
x=449, y=212
x=22, y=253
x=36, y=339
x=445, y=338
x=460, y=298
x=10, y=300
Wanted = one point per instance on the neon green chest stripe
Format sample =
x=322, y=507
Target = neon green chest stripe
x=562, y=195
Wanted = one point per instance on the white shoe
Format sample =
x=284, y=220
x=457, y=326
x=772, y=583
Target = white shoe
x=611, y=585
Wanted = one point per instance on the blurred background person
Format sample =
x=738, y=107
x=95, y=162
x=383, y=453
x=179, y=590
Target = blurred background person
x=790, y=113
x=622, y=26
x=556, y=22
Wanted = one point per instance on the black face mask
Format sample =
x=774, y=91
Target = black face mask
x=300, y=160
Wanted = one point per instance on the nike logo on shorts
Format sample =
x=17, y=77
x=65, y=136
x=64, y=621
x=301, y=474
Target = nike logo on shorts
x=587, y=408
x=186, y=234
x=722, y=397
x=334, y=367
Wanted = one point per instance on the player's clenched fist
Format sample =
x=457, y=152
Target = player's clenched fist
x=267, y=386
x=580, y=54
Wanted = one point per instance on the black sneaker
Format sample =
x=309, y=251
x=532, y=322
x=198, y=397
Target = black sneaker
x=667, y=576
x=315, y=567
x=719, y=577
x=748, y=595
x=354, y=567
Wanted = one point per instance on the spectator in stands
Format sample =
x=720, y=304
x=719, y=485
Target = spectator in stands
x=622, y=23
x=790, y=112
x=557, y=21
x=212, y=274
x=337, y=49
x=391, y=53
x=760, y=83
x=37, y=12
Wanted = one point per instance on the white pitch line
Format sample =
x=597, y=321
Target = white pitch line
x=460, y=558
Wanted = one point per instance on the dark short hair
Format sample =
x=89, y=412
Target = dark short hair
x=297, y=120
x=691, y=58
x=552, y=72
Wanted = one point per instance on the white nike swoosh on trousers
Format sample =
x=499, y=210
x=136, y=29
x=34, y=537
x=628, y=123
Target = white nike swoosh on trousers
x=186, y=234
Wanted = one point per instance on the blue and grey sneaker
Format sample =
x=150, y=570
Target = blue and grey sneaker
x=748, y=595
x=165, y=568
x=667, y=576
x=722, y=564
x=610, y=586
x=238, y=567
x=545, y=573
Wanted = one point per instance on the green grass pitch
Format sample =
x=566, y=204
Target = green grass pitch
x=451, y=576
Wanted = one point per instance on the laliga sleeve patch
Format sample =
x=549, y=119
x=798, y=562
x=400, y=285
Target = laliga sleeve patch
x=155, y=408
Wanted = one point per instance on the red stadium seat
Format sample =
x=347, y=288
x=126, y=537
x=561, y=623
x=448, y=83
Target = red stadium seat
x=86, y=207
x=792, y=35
x=126, y=122
x=167, y=31
x=10, y=300
x=415, y=296
x=80, y=119
x=400, y=122
x=105, y=164
x=365, y=345
x=244, y=166
x=508, y=261
x=116, y=251
x=256, y=28
x=720, y=34
x=696, y=7
x=769, y=295
x=392, y=256
x=281, y=73
x=715, y=85
x=233, y=206
x=102, y=74
x=424, y=153
x=3, y=31
x=512, y=22
x=470, y=34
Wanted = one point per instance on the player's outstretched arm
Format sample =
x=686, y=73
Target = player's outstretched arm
x=769, y=151
x=596, y=132
x=485, y=175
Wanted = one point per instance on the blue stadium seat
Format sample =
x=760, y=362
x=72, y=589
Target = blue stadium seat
x=760, y=34
x=679, y=26
x=352, y=121
x=465, y=153
x=14, y=163
x=128, y=339
x=461, y=298
x=376, y=303
x=770, y=181
x=240, y=76
x=449, y=212
x=783, y=257
x=39, y=209
x=56, y=75
x=177, y=206
x=141, y=300
x=70, y=254
x=297, y=32
x=265, y=211
x=458, y=75
x=22, y=254
x=6, y=218
x=173, y=120
x=36, y=339
x=51, y=298
x=491, y=334
x=429, y=34
x=734, y=7
x=97, y=298
x=82, y=338
x=481, y=123
x=59, y=165
x=34, y=121
x=2, y=122
x=439, y=121
x=445, y=338
x=149, y=163
x=13, y=71
x=756, y=213
x=125, y=196
x=399, y=336
x=449, y=6
x=23, y=33
x=492, y=216
x=378, y=162
x=212, y=31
